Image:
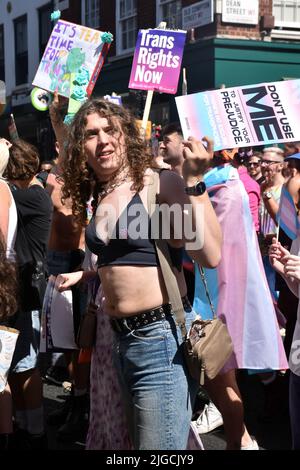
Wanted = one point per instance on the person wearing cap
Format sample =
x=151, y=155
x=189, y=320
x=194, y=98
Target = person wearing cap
x=291, y=148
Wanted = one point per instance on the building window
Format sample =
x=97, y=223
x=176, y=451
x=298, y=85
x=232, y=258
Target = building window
x=170, y=12
x=126, y=25
x=2, y=66
x=45, y=26
x=63, y=4
x=287, y=13
x=92, y=13
x=21, y=50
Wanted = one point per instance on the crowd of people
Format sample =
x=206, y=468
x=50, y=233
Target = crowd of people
x=85, y=222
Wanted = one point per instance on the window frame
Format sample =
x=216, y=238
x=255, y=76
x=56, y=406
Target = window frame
x=18, y=56
x=119, y=35
x=283, y=23
x=62, y=4
x=159, y=12
x=2, y=60
x=85, y=13
x=45, y=8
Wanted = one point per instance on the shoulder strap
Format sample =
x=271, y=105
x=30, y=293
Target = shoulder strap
x=165, y=260
x=202, y=274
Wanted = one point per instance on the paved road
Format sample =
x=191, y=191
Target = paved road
x=271, y=435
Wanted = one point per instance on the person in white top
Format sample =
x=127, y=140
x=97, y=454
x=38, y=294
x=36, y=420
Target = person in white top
x=288, y=265
x=8, y=227
x=8, y=211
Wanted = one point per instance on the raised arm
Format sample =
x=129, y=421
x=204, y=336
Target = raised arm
x=60, y=129
x=199, y=216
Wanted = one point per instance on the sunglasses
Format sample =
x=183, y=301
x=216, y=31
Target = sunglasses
x=268, y=162
x=255, y=164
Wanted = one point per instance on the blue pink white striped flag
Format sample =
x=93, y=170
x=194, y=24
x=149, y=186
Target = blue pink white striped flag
x=238, y=286
x=287, y=216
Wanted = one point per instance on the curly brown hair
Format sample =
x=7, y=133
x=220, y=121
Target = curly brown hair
x=79, y=179
x=23, y=161
x=8, y=284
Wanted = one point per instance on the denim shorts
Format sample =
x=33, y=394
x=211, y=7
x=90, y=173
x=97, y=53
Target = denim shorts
x=28, y=343
x=158, y=391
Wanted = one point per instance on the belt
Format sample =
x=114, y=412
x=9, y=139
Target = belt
x=145, y=318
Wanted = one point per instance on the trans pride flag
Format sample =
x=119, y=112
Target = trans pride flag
x=238, y=286
x=287, y=216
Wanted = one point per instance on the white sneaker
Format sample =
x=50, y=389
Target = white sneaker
x=209, y=419
x=253, y=446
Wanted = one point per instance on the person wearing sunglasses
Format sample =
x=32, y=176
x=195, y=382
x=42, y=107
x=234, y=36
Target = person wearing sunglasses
x=272, y=165
x=238, y=159
x=254, y=167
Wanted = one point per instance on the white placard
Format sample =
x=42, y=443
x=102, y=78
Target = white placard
x=62, y=324
x=198, y=14
x=240, y=11
x=8, y=339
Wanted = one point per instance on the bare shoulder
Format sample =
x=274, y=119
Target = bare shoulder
x=4, y=190
x=293, y=186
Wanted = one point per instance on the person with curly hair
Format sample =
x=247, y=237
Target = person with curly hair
x=108, y=157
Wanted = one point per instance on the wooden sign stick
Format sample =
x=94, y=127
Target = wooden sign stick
x=148, y=103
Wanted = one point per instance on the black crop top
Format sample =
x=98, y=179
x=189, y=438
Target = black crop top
x=130, y=243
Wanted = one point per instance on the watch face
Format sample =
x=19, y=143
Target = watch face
x=196, y=190
x=200, y=188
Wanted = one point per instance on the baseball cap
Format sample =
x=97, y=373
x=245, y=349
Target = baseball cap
x=296, y=156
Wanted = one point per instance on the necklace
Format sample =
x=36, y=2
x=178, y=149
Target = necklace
x=110, y=187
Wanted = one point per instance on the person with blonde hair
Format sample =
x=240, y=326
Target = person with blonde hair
x=272, y=166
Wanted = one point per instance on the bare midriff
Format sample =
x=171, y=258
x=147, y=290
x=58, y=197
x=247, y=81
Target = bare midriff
x=130, y=290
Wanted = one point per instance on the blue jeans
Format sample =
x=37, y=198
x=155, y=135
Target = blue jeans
x=158, y=391
x=295, y=409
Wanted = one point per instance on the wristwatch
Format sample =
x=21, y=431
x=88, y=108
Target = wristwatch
x=267, y=195
x=196, y=190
